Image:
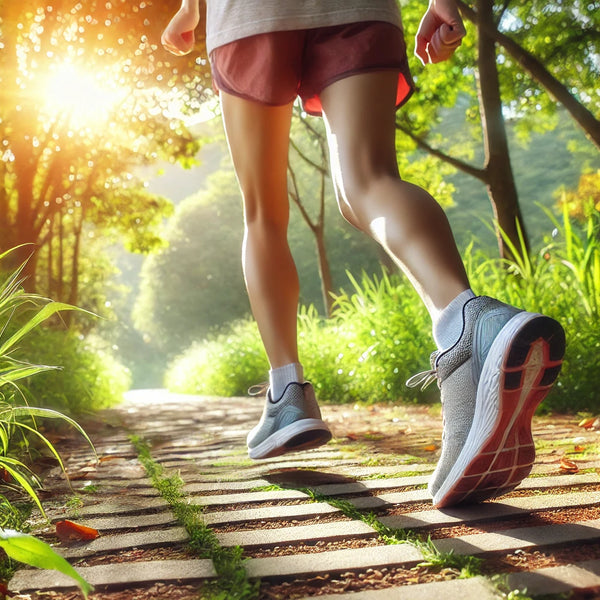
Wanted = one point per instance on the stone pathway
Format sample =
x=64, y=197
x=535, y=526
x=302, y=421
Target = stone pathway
x=301, y=519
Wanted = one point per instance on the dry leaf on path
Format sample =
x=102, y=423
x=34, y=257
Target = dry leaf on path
x=71, y=531
x=568, y=466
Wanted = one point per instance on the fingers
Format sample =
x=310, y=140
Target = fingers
x=178, y=44
x=178, y=36
x=443, y=44
x=440, y=34
x=426, y=30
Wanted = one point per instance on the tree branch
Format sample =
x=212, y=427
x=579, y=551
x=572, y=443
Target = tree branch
x=476, y=172
x=534, y=67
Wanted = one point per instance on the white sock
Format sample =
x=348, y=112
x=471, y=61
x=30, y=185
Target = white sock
x=280, y=377
x=448, y=326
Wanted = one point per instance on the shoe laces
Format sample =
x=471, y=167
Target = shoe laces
x=259, y=389
x=425, y=378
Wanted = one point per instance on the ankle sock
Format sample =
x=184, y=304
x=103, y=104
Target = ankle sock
x=447, y=328
x=281, y=377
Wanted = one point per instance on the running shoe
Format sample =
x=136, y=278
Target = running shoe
x=491, y=382
x=291, y=423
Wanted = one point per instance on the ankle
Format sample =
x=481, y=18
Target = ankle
x=448, y=326
x=281, y=377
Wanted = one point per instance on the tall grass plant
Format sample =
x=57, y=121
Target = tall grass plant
x=18, y=422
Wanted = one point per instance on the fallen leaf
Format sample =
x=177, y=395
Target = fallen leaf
x=579, y=448
x=568, y=466
x=587, y=423
x=352, y=436
x=69, y=531
x=430, y=448
x=109, y=457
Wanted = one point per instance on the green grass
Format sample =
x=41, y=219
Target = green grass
x=232, y=582
x=466, y=566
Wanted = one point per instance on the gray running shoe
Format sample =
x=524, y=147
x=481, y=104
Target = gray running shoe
x=291, y=423
x=491, y=382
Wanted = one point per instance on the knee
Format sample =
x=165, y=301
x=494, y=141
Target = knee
x=265, y=220
x=357, y=194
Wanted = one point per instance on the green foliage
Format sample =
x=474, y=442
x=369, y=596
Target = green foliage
x=79, y=114
x=227, y=363
x=196, y=282
x=20, y=316
x=31, y=551
x=90, y=377
x=379, y=335
x=562, y=280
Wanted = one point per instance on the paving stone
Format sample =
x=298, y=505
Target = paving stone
x=360, y=472
x=557, y=580
x=129, y=521
x=265, y=538
x=213, y=486
x=335, y=561
x=475, y=588
x=558, y=481
x=339, y=489
x=126, y=504
x=123, y=541
x=490, y=510
x=116, y=575
x=292, y=511
x=249, y=497
x=523, y=537
x=383, y=500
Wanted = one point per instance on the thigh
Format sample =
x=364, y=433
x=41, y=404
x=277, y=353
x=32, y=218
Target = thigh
x=360, y=114
x=258, y=139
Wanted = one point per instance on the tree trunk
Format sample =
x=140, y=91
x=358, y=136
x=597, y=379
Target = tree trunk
x=324, y=270
x=531, y=65
x=500, y=178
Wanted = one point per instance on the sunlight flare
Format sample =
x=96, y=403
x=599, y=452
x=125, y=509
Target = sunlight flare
x=80, y=96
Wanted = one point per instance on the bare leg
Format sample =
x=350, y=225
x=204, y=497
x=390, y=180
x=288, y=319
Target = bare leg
x=258, y=138
x=360, y=117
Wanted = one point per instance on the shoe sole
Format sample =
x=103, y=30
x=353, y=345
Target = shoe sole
x=300, y=435
x=521, y=367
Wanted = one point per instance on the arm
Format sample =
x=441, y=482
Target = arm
x=178, y=36
x=440, y=32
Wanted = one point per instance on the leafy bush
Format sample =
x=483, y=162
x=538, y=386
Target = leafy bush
x=377, y=338
x=380, y=334
x=226, y=364
x=90, y=377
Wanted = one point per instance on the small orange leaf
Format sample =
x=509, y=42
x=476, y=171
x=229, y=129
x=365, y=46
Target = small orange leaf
x=69, y=531
x=579, y=448
x=587, y=423
x=430, y=448
x=568, y=466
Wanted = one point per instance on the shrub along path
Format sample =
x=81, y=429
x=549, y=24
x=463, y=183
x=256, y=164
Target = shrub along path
x=178, y=506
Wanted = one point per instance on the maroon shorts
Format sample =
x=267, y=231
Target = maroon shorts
x=274, y=68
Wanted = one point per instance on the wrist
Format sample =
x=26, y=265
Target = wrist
x=191, y=7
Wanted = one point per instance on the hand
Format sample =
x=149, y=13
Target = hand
x=440, y=33
x=178, y=36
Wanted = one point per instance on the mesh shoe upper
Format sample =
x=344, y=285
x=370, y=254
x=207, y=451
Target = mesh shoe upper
x=297, y=402
x=457, y=371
